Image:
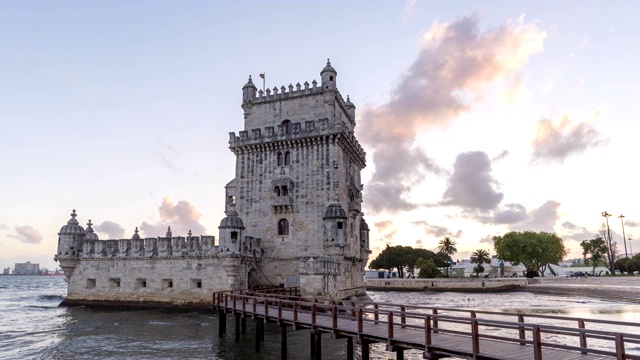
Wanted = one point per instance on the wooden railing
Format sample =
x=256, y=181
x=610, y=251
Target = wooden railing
x=397, y=319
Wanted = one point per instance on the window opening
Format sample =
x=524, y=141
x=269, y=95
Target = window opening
x=277, y=190
x=283, y=227
x=285, y=190
x=234, y=235
x=280, y=159
x=287, y=126
x=340, y=225
x=287, y=158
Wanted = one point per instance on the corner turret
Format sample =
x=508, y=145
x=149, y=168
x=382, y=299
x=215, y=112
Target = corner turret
x=335, y=226
x=248, y=96
x=70, y=240
x=329, y=75
x=231, y=228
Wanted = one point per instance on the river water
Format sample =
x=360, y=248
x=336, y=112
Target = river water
x=32, y=326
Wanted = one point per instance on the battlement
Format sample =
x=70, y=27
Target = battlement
x=164, y=247
x=312, y=128
x=290, y=93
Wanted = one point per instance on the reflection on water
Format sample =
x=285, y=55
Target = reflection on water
x=33, y=327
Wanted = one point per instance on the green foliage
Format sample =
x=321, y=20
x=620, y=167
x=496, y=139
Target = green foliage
x=448, y=247
x=428, y=268
x=531, y=274
x=628, y=265
x=478, y=269
x=535, y=250
x=405, y=257
x=594, y=251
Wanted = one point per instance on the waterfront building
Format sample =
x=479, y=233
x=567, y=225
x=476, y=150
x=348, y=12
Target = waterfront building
x=6, y=271
x=26, y=268
x=293, y=214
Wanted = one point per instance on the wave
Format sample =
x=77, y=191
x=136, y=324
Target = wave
x=51, y=297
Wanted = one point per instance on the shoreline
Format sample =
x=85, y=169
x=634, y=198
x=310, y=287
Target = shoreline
x=610, y=288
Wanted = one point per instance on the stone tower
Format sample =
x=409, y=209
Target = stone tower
x=297, y=187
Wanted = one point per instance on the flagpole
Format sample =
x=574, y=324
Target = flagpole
x=264, y=79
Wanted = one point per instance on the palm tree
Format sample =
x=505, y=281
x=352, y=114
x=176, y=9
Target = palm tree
x=480, y=257
x=447, y=246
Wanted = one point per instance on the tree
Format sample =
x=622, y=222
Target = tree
x=405, y=257
x=594, y=251
x=448, y=247
x=612, y=253
x=480, y=257
x=428, y=268
x=535, y=250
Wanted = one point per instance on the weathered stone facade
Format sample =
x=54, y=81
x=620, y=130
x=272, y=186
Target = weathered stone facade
x=293, y=214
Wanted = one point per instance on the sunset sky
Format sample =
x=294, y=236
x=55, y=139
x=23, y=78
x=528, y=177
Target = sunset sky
x=477, y=117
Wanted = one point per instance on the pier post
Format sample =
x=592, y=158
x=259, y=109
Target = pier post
x=349, y=348
x=237, y=333
x=262, y=329
x=243, y=325
x=400, y=354
x=312, y=348
x=318, y=345
x=365, y=349
x=257, y=347
x=221, y=323
x=283, y=342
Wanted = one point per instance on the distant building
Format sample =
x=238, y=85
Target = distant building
x=26, y=269
x=6, y=271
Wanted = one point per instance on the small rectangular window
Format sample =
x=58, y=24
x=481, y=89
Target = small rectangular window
x=91, y=283
x=340, y=225
x=114, y=283
x=141, y=283
x=166, y=283
x=196, y=283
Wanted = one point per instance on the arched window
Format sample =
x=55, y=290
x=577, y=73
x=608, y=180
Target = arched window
x=285, y=190
x=277, y=190
x=283, y=227
x=280, y=159
x=287, y=158
x=288, y=127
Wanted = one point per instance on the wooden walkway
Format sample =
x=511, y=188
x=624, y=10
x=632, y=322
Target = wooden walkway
x=435, y=331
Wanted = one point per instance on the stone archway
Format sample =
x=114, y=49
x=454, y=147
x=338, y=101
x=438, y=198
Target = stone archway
x=253, y=280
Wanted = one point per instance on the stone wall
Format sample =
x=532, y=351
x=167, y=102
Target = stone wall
x=464, y=284
x=173, y=281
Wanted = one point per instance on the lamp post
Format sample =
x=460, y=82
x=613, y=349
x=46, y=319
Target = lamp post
x=611, y=267
x=621, y=217
x=630, y=250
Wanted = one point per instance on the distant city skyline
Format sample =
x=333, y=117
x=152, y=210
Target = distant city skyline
x=477, y=117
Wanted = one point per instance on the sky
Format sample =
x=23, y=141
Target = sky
x=478, y=117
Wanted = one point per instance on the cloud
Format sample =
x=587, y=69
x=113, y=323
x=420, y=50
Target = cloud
x=510, y=214
x=455, y=68
x=436, y=230
x=572, y=231
x=487, y=240
x=471, y=185
x=555, y=141
x=501, y=156
x=27, y=234
x=163, y=155
x=111, y=229
x=419, y=243
x=541, y=219
x=3, y=227
x=632, y=223
x=181, y=216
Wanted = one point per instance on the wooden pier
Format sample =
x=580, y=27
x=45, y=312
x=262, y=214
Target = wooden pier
x=437, y=332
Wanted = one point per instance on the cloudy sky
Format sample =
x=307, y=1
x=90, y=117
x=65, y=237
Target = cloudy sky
x=477, y=117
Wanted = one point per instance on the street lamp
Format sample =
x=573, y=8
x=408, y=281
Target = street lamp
x=621, y=217
x=630, y=250
x=606, y=216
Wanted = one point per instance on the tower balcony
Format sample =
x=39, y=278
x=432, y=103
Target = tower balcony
x=282, y=204
x=281, y=201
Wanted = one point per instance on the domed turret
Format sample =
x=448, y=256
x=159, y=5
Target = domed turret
x=231, y=228
x=70, y=240
x=72, y=227
x=329, y=75
x=89, y=234
x=364, y=234
x=135, y=235
x=248, y=91
x=335, y=225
